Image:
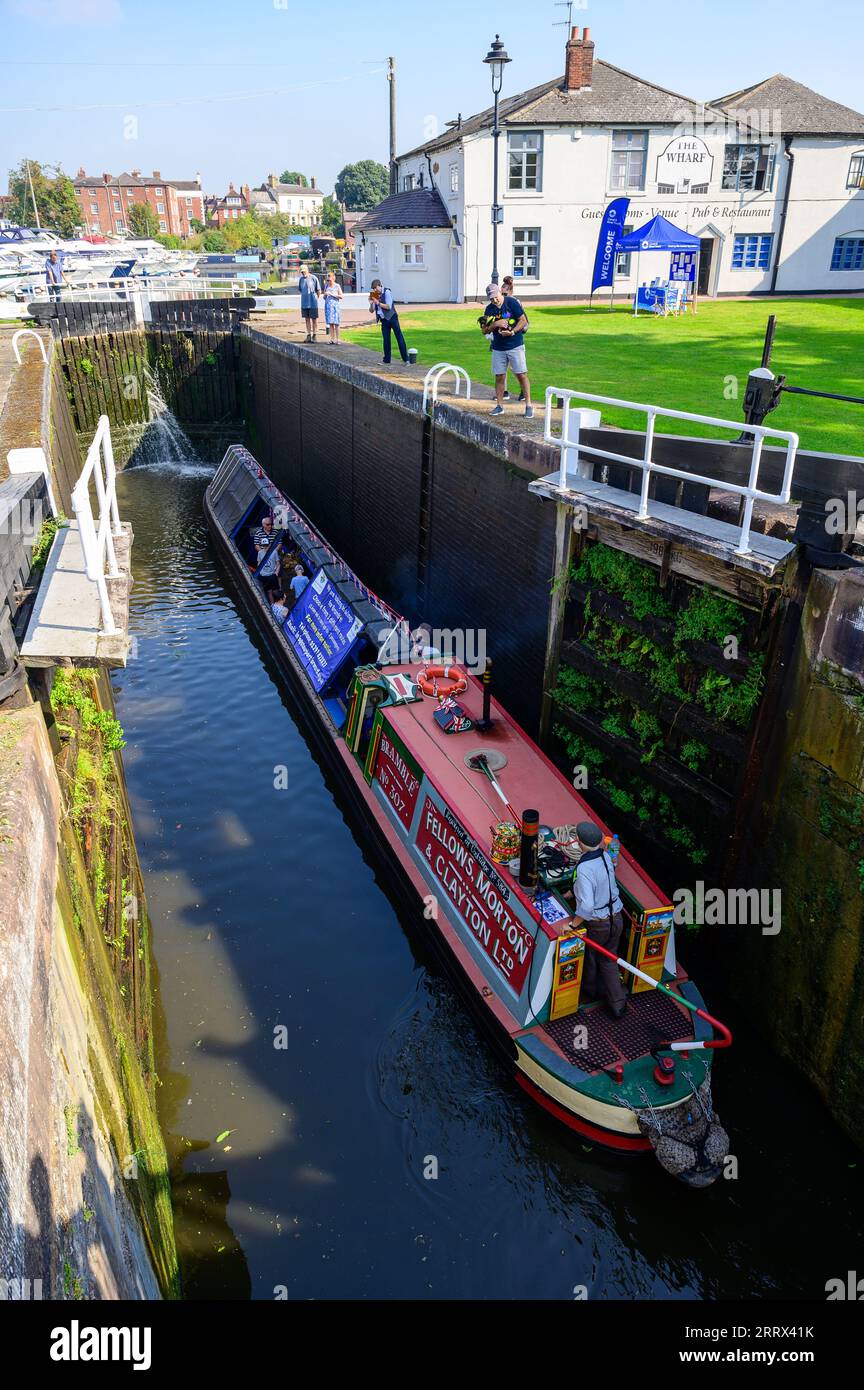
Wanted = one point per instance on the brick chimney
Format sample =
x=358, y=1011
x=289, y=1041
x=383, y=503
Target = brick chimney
x=244, y=189
x=272, y=180
x=314, y=184
x=156, y=174
x=579, y=61
x=82, y=174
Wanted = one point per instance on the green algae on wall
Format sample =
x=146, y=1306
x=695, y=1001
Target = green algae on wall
x=808, y=837
x=104, y=914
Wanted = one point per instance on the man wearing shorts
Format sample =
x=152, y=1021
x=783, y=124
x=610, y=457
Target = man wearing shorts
x=508, y=347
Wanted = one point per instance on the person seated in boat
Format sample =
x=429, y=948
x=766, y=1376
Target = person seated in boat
x=280, y=607
x=299, y=582
x=598, y=906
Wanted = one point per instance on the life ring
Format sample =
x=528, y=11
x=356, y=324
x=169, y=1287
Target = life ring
x=442, y=681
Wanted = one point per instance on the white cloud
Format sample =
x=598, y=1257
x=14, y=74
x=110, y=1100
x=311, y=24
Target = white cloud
x=71, y=12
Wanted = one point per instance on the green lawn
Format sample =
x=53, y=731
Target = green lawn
x=685, y=362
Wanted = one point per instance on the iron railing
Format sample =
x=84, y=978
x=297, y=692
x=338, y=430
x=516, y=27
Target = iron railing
x=573, y=464
x=98, y=533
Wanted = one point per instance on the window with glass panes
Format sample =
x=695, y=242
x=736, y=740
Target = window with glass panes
x=748, y=167
x=622, y=260
x=855, y=178
x=751, y=252
x=629, y=159
x=848, y=253
x=526, y=253
x=412, y=253
x=525, y=155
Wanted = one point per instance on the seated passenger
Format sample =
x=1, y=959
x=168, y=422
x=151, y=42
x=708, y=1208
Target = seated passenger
x=280, y=608
x=299, y=582
x=261, y=537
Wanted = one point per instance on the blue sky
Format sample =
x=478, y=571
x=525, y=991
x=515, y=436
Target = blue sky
x=238, y=89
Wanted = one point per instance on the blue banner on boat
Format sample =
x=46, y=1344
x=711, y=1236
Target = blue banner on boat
x=321, y=628
x=611, y=232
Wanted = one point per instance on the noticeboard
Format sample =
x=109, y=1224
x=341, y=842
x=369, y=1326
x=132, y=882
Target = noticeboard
x=321, y=628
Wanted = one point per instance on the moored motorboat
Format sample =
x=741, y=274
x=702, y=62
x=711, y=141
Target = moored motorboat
x=434, y=765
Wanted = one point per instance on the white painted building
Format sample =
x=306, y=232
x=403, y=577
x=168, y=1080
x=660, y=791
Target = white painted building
x=304, y=205
x=771, y=179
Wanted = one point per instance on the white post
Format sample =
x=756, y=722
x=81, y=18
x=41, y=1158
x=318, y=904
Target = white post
x=743, y=547
x=646, y=472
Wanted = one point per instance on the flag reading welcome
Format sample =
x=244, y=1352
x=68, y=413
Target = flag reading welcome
x=611, y=232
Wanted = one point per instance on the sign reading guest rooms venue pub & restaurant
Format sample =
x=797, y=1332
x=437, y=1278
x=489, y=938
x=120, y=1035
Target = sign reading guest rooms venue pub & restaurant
x=477, y=890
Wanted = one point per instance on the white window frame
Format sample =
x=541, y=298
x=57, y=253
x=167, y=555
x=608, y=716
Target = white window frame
x=407, y=183
x=855, y=172
x=518, y=154
x=627, y=142
x=523, y=241
x=412, y=260
x=764, y=161
x=625, y=270
x=454, y=178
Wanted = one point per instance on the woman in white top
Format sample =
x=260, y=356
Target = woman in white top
x=332, y=307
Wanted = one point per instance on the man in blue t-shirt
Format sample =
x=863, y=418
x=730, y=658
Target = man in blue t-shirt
x=505, y=320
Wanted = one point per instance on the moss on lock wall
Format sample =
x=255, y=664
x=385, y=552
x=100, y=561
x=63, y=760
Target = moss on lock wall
x=806, y=984
x=105, y=919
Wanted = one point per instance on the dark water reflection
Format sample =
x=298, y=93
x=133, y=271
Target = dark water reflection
x=267, y=912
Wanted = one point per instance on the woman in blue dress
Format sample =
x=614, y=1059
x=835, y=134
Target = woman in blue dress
x=332, y=307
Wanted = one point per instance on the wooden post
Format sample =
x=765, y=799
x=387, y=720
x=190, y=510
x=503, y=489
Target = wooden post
x=557, y=606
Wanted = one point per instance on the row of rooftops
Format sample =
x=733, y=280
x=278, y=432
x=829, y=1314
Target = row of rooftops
x=598, y=93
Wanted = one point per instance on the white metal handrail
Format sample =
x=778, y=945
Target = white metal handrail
x=434, y=375
x=97, y=537
x=31, y=332
x=572, y=450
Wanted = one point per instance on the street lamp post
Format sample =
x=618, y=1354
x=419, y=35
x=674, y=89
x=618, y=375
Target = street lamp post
x=496, y=58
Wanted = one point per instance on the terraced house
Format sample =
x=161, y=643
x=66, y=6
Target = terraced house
x=770, y=178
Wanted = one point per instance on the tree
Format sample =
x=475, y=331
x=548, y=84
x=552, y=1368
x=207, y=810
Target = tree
x=292, y=176
x=363, y=185
x=247, y=231
x=142, y=220
x=55, y=197
x=331, y=218
x=214, y=241
x=196, y=225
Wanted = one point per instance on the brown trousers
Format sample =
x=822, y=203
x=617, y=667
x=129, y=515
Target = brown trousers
x=601, y=975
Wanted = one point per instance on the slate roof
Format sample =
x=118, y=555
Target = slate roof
x=802, y=111
x=289, y=188
x=614, y=97
x=135, y=181
x=417, y=207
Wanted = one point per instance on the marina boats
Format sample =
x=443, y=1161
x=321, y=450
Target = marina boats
x=436, y=778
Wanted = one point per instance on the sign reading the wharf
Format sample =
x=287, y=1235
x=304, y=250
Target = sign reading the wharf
x=398, y=775
x=477, y=891
x=321, y=628
x=685, y=163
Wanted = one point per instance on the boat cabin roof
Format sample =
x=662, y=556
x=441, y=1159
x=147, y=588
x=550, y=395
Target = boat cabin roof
x=528, y=779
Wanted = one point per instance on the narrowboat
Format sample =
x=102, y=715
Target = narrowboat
x=436, y=768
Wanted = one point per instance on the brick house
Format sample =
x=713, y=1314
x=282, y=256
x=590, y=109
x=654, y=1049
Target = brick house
x=228, y=207
x=105, y=201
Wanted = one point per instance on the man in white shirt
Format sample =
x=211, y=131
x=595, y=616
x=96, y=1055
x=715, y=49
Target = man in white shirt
x=598, y=905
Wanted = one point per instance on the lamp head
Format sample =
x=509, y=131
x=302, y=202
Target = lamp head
x=496, y=58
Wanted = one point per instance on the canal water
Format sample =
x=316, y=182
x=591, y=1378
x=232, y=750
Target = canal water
x=317, y=1065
